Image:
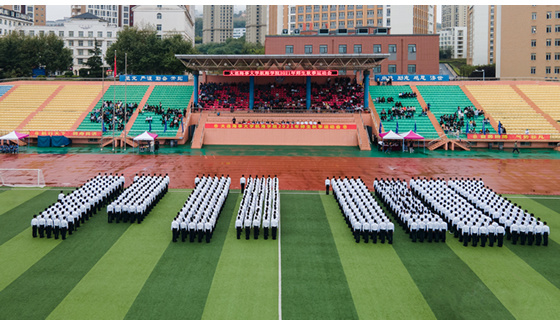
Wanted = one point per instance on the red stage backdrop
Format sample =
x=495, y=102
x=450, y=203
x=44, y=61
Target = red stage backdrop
x=280, y=126
x=282, y=73
x=476, y=136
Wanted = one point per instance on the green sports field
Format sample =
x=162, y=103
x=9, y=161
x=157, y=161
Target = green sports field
x=315, y=270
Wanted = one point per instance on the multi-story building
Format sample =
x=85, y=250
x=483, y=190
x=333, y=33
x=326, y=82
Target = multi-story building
x=256, y=24
x=217, y=23
x=530, y=41
x=38, y=13
x=454, y=16
x=409, y=54
x=238, y=32
x=79, y=34
x=11, y=20
x=403, y=19
x=118, y=15
x=456, y=39
x=483, y=34
x=167, y=20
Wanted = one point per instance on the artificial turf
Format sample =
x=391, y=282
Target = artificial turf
x=314, y=285
x=116, y=271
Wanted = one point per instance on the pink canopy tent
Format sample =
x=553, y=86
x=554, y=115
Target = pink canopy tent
x=14, y=136
x=146, y=136
x=413, y=136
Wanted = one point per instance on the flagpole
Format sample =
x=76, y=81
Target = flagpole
x=114, y=97
x=125, y=103
x=102, y=94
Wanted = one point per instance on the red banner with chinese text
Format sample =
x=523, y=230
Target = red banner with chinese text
x=68, y=134
x=476, y=136
x=281, y=73
x=280, y=126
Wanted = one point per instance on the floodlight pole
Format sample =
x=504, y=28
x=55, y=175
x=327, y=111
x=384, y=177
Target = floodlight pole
x=125, y=104
x=102, y=94
x=114, y=98
x=483, y=74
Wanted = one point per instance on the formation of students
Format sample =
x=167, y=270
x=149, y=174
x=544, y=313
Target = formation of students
x=136, y=202
x=198, y=217
x=259, y=208
x=519, y=225
x=74, y=209
x=362, y=213
x=9, y=148
x=468, y=223
x=419, y=221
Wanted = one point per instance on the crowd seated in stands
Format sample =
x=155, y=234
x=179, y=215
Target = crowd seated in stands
x=171, y=116
x=9, y=148
x=398, y=113
x=457, y=121
x=341, y=94
x=107, y=115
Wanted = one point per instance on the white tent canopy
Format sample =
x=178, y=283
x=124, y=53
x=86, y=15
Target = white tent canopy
x=392, y=136
x=146, y=137
x=14, y=136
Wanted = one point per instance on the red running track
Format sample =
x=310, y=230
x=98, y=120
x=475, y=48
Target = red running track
x=510, y=176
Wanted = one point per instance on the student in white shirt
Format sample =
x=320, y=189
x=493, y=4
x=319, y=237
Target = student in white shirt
x=34, y=225
x=242, y=183
x=327, y=185
x=174, y=229
x=546, y=232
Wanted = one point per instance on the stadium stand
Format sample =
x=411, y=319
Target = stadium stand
x=64, y=109
x=424, y=126
x=545, y=97
x=134, y=94
x=444, y=100
x=176, y=99
x=4, y=89
x=21, y=103
x=223, y=96
x=505, y=105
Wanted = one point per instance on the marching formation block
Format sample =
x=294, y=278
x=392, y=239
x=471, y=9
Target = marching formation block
x=201, y=211
x=77, y=207
x=259, y=208
x=136, y=202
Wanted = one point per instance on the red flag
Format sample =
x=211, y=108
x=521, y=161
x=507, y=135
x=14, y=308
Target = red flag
x=115, y=69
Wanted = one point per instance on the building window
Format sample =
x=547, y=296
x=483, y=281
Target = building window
x=341, y=15
x=534, y=16
x=547, y=70
x=411, y=69
x=411, y=48
x=109, y=34
x=333, y=15
x=307, y=17
x=548, y=42
x=377, y=69
x=557, y=13
x=70, y=42
x=557, y=28
x=341, y=48
x=379, y=22
x=370, y=22
x=308, y=49
x=388, y=22
x=80, y=61
x=289, y=49
x=357, y=48
x=323, y=49
x=158, y=27
x=300, y=10
x=351, y=24
x=90, y=34
x=324, y=16
x=158, y=16
x=80, y=52
x=80, y=34
x=548, y=29
x=100, y=34
x=392, y=69
x=380, y=12
x=333, y=25
x=80, y=43
x=557, y=42
x=547, y=56
x=533, y=70
x=533, y=56
x=341, y=24
x=359, y=23
x=549, y=15
x=392, y=48
x=557, y=56
x=533, y=43
x=556, y=70
x=90, y=43
x=316, y=16
x=534, y=29
x=61, y=34
x=376, y=48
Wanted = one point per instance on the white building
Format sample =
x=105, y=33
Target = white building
x=410, y=19
x=118, y=15
x=454, y=16
x=10, y=20
x=167, y=20
x=238, y=32
x=79, y=34
x=456, y=38
x=483, y=34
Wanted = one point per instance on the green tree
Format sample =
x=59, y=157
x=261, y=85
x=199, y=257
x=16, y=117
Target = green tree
x=94, y=62
x=198, y=27
x=146, y=53
x=445, y=53
x=231, y=46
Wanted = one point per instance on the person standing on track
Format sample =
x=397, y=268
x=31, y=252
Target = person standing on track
x=515, y=148
x=242, y=182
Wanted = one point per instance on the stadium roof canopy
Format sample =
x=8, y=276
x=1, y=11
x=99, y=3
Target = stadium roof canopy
x=201, y=62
